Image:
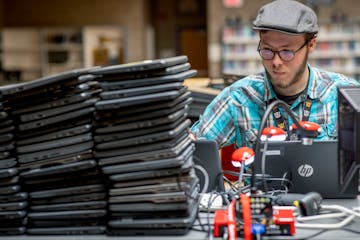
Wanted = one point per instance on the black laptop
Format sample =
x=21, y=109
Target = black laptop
x=207, y=165
x=307, y=168
x=141, y=65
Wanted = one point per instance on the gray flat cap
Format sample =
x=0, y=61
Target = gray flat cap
x=286, y=16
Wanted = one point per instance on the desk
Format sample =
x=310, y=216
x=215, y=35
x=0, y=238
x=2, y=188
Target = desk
x=197, y=235
x=336, y=234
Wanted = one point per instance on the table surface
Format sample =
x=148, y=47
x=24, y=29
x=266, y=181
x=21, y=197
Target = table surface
x=204, y=220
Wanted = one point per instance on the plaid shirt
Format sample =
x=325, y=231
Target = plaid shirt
x=235, y=115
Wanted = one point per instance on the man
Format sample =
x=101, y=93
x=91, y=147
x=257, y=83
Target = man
x=287, y=31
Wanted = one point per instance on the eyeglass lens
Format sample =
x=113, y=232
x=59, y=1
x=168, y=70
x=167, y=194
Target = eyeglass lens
x=269, y=54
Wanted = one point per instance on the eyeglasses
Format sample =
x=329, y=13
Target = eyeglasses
x=285, y=55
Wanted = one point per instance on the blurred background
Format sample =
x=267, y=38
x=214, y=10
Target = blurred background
x=40, y=37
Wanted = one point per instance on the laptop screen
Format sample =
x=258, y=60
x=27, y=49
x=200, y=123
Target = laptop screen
x=305, y=168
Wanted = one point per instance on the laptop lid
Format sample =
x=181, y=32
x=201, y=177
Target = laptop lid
x=117, y=82
x=141, y=65
x=308, y=167
x=207, y=163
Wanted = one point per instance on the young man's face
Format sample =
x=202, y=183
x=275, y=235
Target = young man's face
x=288, y=77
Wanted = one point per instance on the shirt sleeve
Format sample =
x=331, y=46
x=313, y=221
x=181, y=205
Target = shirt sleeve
x=216, y=123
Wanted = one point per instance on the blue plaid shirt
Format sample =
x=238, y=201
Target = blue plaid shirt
x=235, y=115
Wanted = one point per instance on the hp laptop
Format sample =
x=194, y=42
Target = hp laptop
x=307, y=168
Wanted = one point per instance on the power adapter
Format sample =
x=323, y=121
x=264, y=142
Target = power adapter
x=309, y=204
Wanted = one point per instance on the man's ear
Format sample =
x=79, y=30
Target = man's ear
x=312, y=45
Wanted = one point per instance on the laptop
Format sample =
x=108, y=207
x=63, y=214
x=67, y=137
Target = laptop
x=45, y=84
x=139, y=100
x=307, y=168
x=136, y=91
x=122, y=84
x=207, y=164
x=141, y=65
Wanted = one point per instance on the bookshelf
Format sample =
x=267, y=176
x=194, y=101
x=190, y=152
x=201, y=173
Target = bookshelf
x=62, y=50
x=239, y=55
x=30, y=53
x=338, y=49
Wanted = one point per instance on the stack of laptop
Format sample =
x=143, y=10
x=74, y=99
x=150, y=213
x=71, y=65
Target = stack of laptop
x=13, y=200
x=53, y=117
x=143, y=146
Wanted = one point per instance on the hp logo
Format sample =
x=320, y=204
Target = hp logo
x=305, y=170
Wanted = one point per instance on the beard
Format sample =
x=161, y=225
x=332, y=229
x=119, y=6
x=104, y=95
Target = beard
x=297, y=77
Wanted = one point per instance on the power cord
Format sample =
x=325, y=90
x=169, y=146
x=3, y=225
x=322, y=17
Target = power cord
x=280, y=188
x=342, y=212
x=206, y=177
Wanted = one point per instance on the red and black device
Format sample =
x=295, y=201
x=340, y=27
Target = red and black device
x=252, y=216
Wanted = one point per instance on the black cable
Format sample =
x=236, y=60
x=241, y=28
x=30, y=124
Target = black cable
x=199, y=219
x=209, y=234
x=267, y=113
x=283, y=184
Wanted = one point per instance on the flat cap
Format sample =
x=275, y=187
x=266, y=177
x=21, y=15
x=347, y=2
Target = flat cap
x=287, y=16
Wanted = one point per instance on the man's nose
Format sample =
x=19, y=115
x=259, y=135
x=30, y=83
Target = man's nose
x=276, y=61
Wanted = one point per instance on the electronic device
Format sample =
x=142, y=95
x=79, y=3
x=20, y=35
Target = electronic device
x=120, y=83
x=151, y=155
x=348, y=136
x=57, y=143
x=60, y=192
x=153, y=226
x=305, y=168
x=68, y=132
x=182, y=100
x=136, y=91
x=78, y=230
x=146, y=119
x=45, y=84
x=207, y=158
x=184, y=169
x=73, y=115
x=162, y=163
x=138, y=100
x=144, y=148
x=146, y=139
x=117, y=135
x=253, y=216
x=141, y=65
x=70, y=206
x=37, y=115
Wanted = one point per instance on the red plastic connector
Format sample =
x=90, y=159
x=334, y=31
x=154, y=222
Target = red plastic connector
x=284, y=216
